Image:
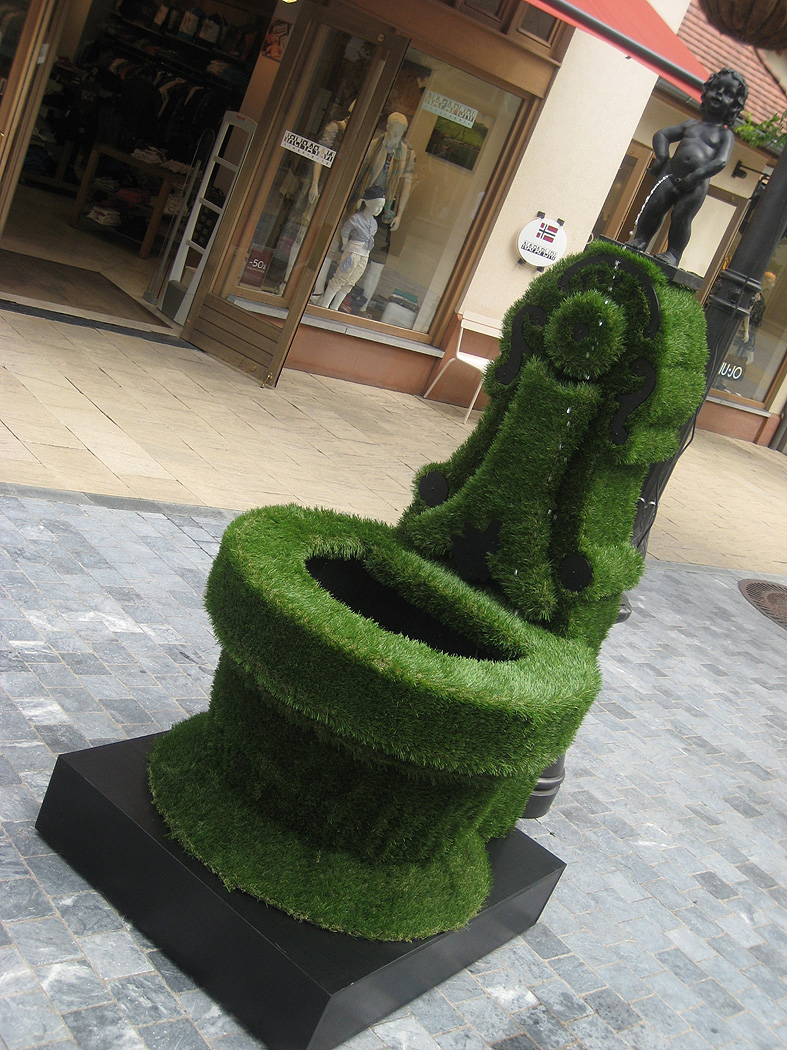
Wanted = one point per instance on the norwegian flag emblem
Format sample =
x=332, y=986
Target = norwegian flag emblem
x=546, y=232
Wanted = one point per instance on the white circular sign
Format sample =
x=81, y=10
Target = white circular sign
x=542, y=242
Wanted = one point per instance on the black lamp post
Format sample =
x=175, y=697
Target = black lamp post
x=728, y=303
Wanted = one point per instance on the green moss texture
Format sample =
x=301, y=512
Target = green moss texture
x=387, y=698
x=555, y=458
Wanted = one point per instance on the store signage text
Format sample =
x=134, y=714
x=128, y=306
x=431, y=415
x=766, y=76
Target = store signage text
x=446, y=107
x=542, y=242
x=257, y=266
x=731, y=371
x=306, y=148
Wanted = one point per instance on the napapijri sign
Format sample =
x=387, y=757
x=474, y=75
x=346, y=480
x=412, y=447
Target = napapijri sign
x=542, y=242
x=306, y=148
x=446, y=107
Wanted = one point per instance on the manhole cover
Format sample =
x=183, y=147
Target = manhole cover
x=769, y=598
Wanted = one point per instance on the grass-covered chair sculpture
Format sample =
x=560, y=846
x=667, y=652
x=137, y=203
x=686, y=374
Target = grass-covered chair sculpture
x=386, y=698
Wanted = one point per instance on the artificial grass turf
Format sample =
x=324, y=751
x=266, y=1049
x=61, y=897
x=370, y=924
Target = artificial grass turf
x=360, y=775
x=379, y=688
x=334, y=888
x=350, y=768
x=561, y=452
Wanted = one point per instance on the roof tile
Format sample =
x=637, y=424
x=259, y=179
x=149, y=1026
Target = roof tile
x=715, y=50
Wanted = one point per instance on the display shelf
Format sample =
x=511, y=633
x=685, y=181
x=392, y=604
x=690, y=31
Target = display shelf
x=59, y=147
x=58, y=179
x=177, y=54
x=169, y=180
x=199, y=46
x=175, y=65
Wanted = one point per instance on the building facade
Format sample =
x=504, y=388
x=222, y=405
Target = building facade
x=467, y=120
x=508, y=114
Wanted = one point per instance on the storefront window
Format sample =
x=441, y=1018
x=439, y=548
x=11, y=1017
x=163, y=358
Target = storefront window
x=759, y=346
x=611, y=204
x=310, y=146
x=618, y=216
x=437, y=145
x=537, y=23
x=488, y=7
x=11, y=26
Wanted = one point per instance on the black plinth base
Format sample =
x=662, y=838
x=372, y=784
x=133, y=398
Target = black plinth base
x=293, y=985
x=685, y=278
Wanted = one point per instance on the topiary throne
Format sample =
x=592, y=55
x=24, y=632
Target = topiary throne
x=386, y=698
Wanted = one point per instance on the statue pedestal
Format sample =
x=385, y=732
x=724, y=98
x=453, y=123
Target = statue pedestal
x=685, y=278
x=292, y=984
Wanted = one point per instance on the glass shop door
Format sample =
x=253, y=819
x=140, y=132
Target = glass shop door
x=336, y=73
x=29, y=32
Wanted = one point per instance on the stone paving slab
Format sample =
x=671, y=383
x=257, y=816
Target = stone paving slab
x=83, y=409
x=668, y=928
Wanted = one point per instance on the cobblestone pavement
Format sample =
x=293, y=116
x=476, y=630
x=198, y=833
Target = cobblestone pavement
x=668, y=928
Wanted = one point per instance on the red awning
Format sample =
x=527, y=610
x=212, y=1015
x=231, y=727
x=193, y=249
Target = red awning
x=636, y=29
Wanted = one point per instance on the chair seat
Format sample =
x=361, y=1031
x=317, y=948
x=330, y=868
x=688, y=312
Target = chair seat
x=473, y=360
x=483, y=325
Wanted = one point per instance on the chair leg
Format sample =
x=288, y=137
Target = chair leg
x=447, y=363
x=431, y=386
x=475, y=398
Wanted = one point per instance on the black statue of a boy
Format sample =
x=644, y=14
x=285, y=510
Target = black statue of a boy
x=704, y=147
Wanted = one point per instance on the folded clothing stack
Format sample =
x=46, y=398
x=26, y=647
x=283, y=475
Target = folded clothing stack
x=105, y=216
x=177, y=166
x=133, y=195
x=150, y=154
x=106, y=183
x=174, y=201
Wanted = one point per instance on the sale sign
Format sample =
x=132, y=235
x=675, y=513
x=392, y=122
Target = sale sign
x=257, y=266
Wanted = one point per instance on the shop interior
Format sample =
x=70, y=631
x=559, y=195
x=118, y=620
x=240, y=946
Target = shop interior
x=134, y=103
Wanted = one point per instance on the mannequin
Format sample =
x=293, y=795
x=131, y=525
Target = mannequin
x=390, y=162
x=357, y=240
x=389, y=165
x=331, y=137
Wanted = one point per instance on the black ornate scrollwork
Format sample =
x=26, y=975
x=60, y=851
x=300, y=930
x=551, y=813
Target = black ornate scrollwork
x=628, y=402
x=616, y=263
x=433, y=488
x=520, y=351
x=575, y=572
x=470, y=551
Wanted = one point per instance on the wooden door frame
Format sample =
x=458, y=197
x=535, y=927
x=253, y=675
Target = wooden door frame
x=27, y=82
x=642, y=155
x=222, y=254
x=741, y=205
x=426, y=25
x=259, y=170
x=333, y=199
